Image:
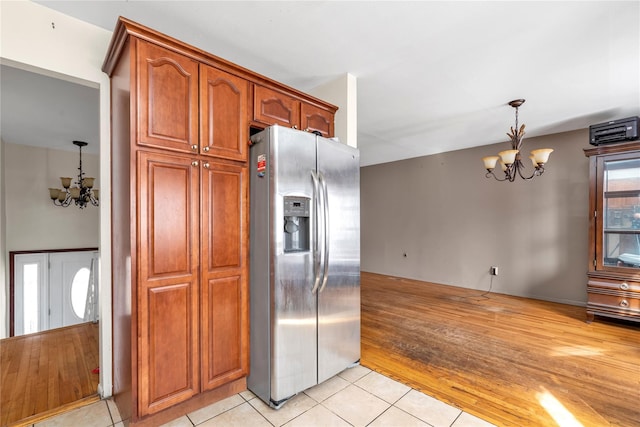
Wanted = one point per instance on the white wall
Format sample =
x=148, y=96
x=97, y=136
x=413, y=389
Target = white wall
x=342, y=92
x=4, y=296
x=33, y=222
x=73, y=50
x=454, y=224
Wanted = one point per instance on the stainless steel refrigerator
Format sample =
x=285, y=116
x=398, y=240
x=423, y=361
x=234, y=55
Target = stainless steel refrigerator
x=305, y=261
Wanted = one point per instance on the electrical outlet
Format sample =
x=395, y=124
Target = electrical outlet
x=493, y=271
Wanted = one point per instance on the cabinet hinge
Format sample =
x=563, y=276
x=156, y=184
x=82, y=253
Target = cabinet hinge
x=595, y=214
x=594, y=263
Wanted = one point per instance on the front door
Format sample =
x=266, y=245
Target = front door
x=72, y=288
x=54, y=289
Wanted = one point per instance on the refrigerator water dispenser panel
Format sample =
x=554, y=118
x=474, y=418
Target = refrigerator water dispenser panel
x=296, y=224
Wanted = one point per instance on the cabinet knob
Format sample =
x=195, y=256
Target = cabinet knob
x=624, y=303
x=194, y=163
x=206, y=149
x=624, y=286
x=206, y=165
x=194, y=147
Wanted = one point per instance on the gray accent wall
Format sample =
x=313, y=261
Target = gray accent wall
x=453, y=224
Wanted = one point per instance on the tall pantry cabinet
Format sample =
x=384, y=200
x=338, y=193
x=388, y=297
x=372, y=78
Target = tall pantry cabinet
x=185, y=193
x=180, y=130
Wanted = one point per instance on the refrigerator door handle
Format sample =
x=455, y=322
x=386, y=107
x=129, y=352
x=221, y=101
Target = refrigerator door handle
x=325, y=236
x=316, y=240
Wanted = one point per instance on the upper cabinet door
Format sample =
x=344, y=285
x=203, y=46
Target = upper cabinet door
x=272, y=107
x=316, y=119
x=223, y=114
x=167, y=107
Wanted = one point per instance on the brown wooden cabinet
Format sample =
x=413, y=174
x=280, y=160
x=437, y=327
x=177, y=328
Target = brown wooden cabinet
x=224, y=100
x=167, y=104
x=613, y=286
x=224, y=257
x=167, y=303
x=193, y=324
x=273, y=107
x=186, y=192
x=316, y=119
x=181, y=309
x=180, y=131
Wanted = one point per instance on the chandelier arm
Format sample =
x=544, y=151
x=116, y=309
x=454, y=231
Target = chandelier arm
x=520, y=167
x=490, y=174
x=64, y=203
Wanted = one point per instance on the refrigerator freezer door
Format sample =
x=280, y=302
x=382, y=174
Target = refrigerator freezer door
x=338, y=166
x=293, y=305
x=259, y=380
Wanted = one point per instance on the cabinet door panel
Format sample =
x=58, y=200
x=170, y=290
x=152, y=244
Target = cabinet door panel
x=223, y=328
x=223, y=114
x=167, y=88
x=168, y=362
x=224, y=251
x=225, y=217
x=168, y=215
x=317, y=119
x=168, y=291
x=273, y=107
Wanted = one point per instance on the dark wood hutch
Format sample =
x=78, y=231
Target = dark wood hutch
x=613, y=285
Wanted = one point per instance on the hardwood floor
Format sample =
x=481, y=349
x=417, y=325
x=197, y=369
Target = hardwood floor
x=47, y=372
x=511, y=361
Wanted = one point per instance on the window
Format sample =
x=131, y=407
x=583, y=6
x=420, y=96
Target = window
x=30, y=294
x=621, y=213
x=79, y=289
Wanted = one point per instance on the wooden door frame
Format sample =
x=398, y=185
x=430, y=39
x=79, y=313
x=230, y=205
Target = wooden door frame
x=12, y=256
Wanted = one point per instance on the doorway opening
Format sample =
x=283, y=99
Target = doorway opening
x=52, y=289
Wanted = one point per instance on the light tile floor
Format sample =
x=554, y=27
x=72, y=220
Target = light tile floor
x=355, y=397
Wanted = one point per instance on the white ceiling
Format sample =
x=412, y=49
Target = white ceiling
x=44, y=111
x=432, y=76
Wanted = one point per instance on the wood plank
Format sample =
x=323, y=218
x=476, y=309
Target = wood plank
x=499, y=357
x=44, y=373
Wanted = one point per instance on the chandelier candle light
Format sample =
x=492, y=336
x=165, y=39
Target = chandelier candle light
x=511, y=161
x=82, y=194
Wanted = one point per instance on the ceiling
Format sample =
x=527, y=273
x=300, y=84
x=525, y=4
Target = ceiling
x=431, y=76
x=44, y=111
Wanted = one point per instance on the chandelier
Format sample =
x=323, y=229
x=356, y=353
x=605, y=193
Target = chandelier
x=81, y=194
x=511, y=160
